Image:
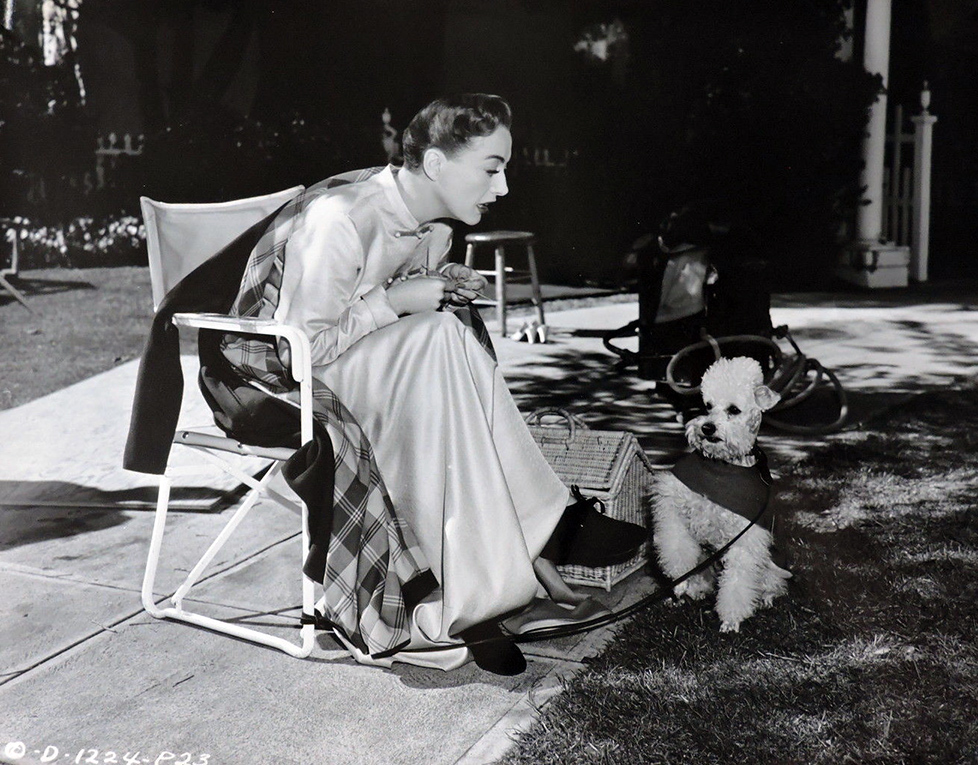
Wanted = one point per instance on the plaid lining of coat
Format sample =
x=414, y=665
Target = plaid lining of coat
x=372, y=553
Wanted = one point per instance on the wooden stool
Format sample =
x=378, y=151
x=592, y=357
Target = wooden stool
x=502, y=272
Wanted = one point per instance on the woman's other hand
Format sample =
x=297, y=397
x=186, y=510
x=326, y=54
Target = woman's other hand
x=465, y=284
x=422, y=293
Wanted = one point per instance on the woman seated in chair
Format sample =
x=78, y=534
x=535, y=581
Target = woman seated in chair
x=457, y=485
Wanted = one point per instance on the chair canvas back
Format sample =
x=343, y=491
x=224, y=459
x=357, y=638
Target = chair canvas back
x=179, y=237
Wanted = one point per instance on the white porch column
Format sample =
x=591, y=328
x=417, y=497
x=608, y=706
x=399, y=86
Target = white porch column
x=876, y=60
x=870, y=262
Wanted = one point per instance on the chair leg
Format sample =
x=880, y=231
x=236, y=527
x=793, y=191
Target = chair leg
x=307, y=631
x=239, y=515
x=5, y=284
x=501, y=288
x=535, y=282
x=155, y=543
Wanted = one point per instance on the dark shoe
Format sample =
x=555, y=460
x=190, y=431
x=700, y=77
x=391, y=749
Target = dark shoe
x=499, y=655
x=586, y=537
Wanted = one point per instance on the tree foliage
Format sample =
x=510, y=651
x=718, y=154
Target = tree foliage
x=742, y=104
x=45, y=136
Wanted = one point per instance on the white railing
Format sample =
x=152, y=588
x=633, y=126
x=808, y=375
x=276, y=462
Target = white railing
x=108, y=149
x=544, y=156
x=906, y=185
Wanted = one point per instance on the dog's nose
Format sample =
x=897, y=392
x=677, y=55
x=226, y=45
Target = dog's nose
x=708, y=428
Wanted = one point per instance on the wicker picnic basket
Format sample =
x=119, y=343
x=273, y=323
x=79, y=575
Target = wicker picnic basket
x=607, y=464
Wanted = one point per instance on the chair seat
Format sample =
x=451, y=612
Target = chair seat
x=232, y=445
x=481, y=237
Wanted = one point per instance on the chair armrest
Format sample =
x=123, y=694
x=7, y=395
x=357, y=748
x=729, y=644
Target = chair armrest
x=301, y=364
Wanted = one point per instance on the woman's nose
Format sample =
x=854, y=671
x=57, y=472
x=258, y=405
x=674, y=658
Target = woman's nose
x=498, y=185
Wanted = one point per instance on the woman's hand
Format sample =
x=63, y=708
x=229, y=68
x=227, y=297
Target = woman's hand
x=420, y=293
x=464, y=283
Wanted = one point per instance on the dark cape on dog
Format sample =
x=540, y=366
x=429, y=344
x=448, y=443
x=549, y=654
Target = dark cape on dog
x=742, y=490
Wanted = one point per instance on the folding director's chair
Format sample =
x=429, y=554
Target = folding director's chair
x=179, y=237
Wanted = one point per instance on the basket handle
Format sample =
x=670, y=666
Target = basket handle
x=573, y=421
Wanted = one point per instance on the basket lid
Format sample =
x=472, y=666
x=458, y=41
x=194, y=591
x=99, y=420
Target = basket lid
x=593, y=460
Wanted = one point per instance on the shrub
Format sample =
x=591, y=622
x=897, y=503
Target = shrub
x=81, y=243
x=46, y=137
x=220, y=155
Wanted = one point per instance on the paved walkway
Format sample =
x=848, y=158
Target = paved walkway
x=84, y=672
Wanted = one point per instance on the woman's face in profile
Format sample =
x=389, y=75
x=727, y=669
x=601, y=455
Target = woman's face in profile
x=473, y=178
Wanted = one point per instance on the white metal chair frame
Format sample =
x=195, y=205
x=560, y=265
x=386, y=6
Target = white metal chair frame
x=206, y=445
x=13, y=270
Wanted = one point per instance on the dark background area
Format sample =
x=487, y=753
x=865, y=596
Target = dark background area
x=743, y=107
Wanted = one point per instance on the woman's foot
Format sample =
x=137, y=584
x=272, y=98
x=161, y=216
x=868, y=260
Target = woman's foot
x=558, y=590
x=542, y=613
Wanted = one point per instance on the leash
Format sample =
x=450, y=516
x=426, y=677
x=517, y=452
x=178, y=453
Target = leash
x=550, y=633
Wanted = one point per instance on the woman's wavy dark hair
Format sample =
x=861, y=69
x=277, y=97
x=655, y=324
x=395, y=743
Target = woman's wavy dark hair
x=450, y=123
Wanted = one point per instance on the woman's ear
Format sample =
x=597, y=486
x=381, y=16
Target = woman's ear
x=432, y=163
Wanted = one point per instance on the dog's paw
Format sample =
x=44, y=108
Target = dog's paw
x=728, y=626
x=699, y=587
x=680, y=589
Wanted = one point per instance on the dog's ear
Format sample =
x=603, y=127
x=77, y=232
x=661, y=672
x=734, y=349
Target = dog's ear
x=765, y=397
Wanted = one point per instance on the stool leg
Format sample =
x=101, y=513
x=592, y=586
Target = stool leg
x=535, y=282
x=501, y=288
x=469, y=254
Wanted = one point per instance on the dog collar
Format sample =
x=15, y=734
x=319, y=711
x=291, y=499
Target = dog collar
x=742, y=490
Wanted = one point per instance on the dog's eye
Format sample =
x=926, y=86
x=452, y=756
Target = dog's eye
x=733, y=410
x=709, y=406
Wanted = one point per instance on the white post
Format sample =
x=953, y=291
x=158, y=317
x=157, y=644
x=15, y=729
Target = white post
x=876, y=60
x=923, y=146
x=871, y=261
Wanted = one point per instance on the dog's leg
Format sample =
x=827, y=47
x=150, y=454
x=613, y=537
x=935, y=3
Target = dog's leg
x=740, y=587
x=774, y=582
x=677, y=551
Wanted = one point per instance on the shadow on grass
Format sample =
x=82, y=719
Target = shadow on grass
x=35, y=287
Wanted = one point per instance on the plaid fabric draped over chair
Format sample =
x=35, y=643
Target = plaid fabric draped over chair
x=371, y=552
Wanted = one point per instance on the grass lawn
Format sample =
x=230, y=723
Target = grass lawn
x=871, y=658
x=84, y=321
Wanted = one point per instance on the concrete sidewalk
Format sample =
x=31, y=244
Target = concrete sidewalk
x=84, y=672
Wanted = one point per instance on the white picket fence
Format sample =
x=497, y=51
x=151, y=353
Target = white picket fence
x=108, y=151
x=907, y=183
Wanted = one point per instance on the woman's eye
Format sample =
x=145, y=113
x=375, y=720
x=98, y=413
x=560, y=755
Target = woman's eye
x=733, y=410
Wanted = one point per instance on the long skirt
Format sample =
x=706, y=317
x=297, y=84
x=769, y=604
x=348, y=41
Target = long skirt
x=461, y=469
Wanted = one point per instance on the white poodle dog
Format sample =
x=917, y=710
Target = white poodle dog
x=712, y=494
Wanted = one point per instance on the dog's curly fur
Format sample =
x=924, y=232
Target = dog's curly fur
x=684, y=521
